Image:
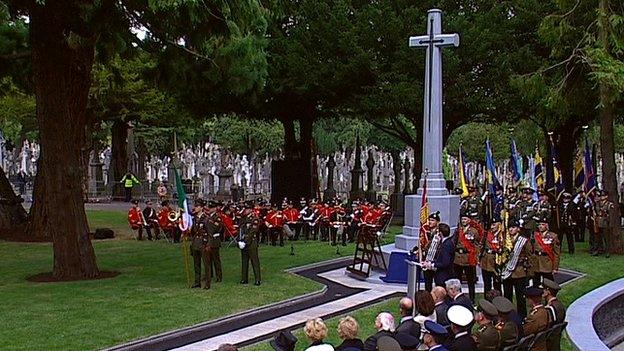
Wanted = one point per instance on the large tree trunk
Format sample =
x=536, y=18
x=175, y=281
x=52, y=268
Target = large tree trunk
x=62, y=64
x=607, y=113
x=12, y=212
x=119, y=156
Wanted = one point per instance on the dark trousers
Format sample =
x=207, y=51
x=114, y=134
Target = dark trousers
x=352, y=232
x=602, y=240
x=148, y=229
x=428, y=275
x=333, y=233
x=490, y=280
x=274, y=234
x=580, y=231
x=471, y=277
x=128, y=193
x=324, y=233
x=296, y=228
x=214, y=262
x=519, y=285
x=198, y=257
x=568, y=234
x=176, y=234
x=250, y=254
x=538, y=277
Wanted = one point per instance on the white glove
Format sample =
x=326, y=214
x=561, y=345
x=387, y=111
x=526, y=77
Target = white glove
x=241, y=245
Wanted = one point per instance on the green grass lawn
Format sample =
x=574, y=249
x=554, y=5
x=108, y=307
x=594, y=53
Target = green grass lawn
x=598, y=270
x=148, y=297
x=115, y=220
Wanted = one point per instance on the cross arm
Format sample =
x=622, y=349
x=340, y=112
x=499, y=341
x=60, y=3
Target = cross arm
x=441, y=40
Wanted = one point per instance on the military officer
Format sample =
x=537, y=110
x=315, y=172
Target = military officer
x=556, y=310
x=543, y=208
x=199, y=237
x=472, y=204
x=460, y=318
x=214, y=227
x=508, y=330
x=499, y=202
x=467, y=253
x=486, y=336
x=491, y=245
x=546, y=251
x=250, y=232
x=538, y=319
x=524, y=210
x=604, y=207
x=515, y=271
x=568, y=218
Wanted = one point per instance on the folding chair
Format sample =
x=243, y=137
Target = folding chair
x=525, y=343
x=539, y=338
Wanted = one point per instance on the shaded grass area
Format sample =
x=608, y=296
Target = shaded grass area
x=115, y=220
x=598, y=270
x=150, y=295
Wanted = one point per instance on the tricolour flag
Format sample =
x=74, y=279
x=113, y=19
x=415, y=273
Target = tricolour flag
x=463, y=179
x=186, y=220
x=579, y=171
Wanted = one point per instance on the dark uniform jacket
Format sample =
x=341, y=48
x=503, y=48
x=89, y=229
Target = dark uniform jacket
x=409, y=326
x=461, y=251
x=508, y=333
x=371, y=343
x=440, y=311
x=462, y=342
x=443, y=261
x=214, y=226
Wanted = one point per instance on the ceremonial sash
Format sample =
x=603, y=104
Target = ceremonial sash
x=490, y=237
x=472, y=250
x=545, y=247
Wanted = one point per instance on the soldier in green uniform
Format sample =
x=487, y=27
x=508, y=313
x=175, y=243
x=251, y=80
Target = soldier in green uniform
x=486, y=337
x=199, y=238
x=543, y=208
x=506, y=327
x=472, y=204
x=492, y=243
x=514, y=273
x=467, y=253
x=538, y=319
x=556, y=310
x=250, y=233
x=603, y=221
x=546, y=251
x=523, y=210
x=214, y=228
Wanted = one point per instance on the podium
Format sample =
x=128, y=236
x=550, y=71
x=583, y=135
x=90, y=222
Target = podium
x=414, y=272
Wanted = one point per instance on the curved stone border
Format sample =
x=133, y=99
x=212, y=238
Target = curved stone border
x=580, y=316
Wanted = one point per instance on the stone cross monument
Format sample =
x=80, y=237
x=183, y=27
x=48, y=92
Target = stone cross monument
x=438, y=196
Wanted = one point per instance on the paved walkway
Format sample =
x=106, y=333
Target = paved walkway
x=376, y=290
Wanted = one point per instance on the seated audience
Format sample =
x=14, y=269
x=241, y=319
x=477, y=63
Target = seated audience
x=425, y=308
x=316, y=330
x=434, y=336
x=407, y=324
x=384, y=323
x=348, y=329
x=453, y=289
x=461, y=319
x=441, y=306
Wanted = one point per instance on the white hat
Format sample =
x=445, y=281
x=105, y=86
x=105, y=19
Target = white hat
x=459, y=315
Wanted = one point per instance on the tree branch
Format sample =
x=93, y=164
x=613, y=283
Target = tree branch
x=16, y=55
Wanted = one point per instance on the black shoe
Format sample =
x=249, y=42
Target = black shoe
x=196, y=286
x=244, y=282
x=257, y=283
x=207, y=287
x=218, y=280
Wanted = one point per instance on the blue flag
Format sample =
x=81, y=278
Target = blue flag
x=490, y=169
x=516, y=162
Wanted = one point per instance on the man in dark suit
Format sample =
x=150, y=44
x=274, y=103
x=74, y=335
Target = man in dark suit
x=439, y=297
x=453, y=289
x=442, y=264
x=461, y=318
x=384, y=323
x=407, y=333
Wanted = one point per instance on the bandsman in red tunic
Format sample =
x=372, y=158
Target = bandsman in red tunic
x=292, y=218
x=274, y=221
x=135, y=219
x=164, y=220
x=547, y=251
x=491, y=246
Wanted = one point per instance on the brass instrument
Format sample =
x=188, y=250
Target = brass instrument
x=173, y=216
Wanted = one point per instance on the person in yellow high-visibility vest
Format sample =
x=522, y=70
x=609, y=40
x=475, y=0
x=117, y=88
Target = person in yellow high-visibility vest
x=128, y=181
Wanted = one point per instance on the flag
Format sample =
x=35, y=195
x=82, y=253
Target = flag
x=589, y=185
x=424, y=215
x=490, y=171
x=463, y=179
x=579, y=171
x=533, y=184
x=538, y=170
x=186, y=220
x=516, y=162
x=557, y=186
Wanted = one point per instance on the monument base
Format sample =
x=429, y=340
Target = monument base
x=448, y=205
